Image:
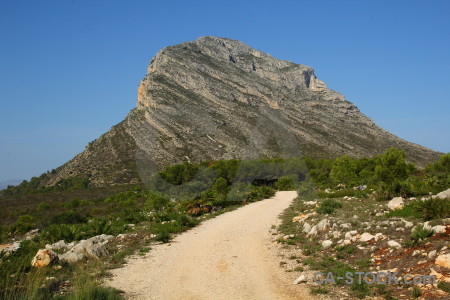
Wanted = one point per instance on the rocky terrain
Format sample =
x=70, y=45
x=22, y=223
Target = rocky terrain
x=365, y=235
x=217, y=98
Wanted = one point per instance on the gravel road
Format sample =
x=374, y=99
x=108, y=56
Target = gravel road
x=228, y=257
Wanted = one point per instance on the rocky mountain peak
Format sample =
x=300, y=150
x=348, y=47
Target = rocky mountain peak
x=217, y=98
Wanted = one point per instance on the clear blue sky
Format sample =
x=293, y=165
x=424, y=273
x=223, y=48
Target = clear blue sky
x=69, y=70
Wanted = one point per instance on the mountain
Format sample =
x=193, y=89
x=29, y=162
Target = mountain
x=217, y=98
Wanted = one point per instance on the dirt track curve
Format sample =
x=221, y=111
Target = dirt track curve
x=227, y=257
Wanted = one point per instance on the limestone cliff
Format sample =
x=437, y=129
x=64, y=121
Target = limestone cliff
x=217, y=98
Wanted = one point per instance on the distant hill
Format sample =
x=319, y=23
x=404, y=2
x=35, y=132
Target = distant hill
x=4, y=184
x=216, y=98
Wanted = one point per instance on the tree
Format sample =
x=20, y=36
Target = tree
x=391, y=169
x=344, y=171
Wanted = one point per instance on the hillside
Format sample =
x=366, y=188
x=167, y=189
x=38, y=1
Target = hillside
x=217, y=98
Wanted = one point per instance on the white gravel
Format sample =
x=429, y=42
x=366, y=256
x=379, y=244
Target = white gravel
x=227, y=257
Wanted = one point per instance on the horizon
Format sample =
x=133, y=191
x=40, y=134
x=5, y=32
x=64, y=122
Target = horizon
x=70, y=74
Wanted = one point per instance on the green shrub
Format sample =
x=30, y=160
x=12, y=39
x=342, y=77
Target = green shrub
x=87, y=288
x=419, y=234
x=328, y=206
x=285, y=183
x=24, y=223
x=445, y=286
x=68, y=217
x=43, y=206
x=416, y=292
x=57, y=232
x=99, y=226
x=433, y=208
x=163, y=237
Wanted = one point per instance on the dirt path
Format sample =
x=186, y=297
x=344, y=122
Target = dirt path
x=228, y=257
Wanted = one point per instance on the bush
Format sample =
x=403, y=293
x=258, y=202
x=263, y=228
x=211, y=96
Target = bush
x=24, y=223
x=328, y=206
x=68, y=217
x=285, y=183
x=419, y=234
x=57, y=232
x=433, y=208
x=344, y=171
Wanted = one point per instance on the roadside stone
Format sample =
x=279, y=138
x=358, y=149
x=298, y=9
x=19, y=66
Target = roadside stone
x=442, y=195
x=300, y=279
x=394, y=244
x=44, y=257
x=439, y=229
x=432, y=254
x=365, y=237
x=327, y=244
x=396, y=203
x=443, y=261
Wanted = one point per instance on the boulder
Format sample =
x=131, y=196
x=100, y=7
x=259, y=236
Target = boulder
x=443, y=261
x=432, y=254
x=92, y=247
x=365, y=237
x=9, y=248
x=44, y=257
x=300, y=279
x=306, y=228
x=327, y=244
x=394, y=244
x=396, y=203
x=442, y=195
x=56, y=246
x=323, y=225
x=439, y=229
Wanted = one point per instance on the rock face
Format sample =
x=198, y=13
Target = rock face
x=217, y=98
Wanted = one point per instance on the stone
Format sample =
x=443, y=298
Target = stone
x=93, y=247
x=365, y=237
x=432, y=254
x=327, y=244
x=9, y=248
x=323, y=225
x=439, y=229
x=300, y=279
x=306, y=228
x=396, y=203
x=443, y=261
x=44, y=257
x=56, y=246
x=313, y=231
x=408, y=224
x=394, y=244
x=442, y=195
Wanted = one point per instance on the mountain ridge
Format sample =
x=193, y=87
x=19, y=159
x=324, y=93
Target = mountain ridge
x=217, y=98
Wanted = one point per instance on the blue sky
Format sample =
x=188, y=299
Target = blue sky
x=69, y=70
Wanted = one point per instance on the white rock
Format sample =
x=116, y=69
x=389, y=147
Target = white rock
x=313, y=231
x=416, y=252
x=306, y=227
x=365, y=237
x=394, y=244
x=396, y=203
x=347, y=242
x=439, y=229
x=408, y=224
x=443, y=261
x=432, y=254
x=300, y=279
x=327, y=244
x=323, y=225
x=442, y=195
